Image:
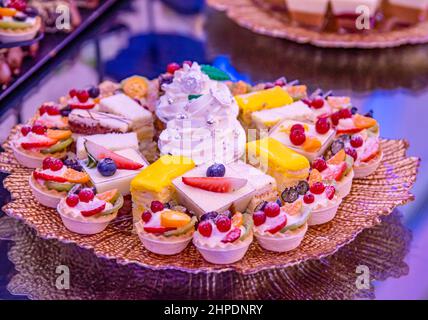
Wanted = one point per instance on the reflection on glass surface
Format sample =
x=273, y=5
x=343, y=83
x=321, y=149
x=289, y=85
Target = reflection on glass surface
x=143, y=36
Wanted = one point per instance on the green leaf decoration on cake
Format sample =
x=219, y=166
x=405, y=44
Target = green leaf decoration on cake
x=214, y=73
x=194, y=96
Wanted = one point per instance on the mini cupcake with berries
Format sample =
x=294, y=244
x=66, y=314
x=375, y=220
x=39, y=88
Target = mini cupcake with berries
x=34, y=143
x=223, y=238
x=363, y=147
x=85, y=212
x=338, y=171
x=281, y=227
x=51, y=116
x=55, y=179
x=18, y=21
x=166, y=230
x=82, y=99
x=321, y=198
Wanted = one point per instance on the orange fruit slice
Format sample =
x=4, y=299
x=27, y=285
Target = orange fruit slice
x=58, y=134
x=338, y=158
x=174, y=219
x=237, y=219
x=136, y=87
x=363, y=122
x=7, y=12
x=74, y=176
x=293, y=208
x=311, y=144
x=314, y=176
x=108, y=196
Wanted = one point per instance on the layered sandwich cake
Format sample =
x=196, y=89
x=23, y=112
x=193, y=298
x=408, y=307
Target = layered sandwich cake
x=407, y=11
x=308, y=13
x=346, y=12
x=218, y=187
x=285, y=165
x=155, y=182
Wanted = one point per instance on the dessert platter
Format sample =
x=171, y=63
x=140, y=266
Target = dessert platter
x=195, y=173
x=333, y=23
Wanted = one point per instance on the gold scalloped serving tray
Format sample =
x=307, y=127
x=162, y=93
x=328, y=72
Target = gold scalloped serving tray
x=250, y=15
x=370, y=199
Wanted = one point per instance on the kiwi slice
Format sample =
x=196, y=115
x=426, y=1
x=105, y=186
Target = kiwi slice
x=14, y=24
x=349, y=164
x=183, y=229
x=248, y=224
x=300, y=222
x=60, y=187
x=117, y=205
x=60, y=146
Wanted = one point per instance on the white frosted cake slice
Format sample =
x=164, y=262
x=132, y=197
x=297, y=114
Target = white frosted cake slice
x=266, y=119
x=111, y=141
x=314, y=143
x=121, y=180
x=311, y=13
x=201, y=201
x=89, y=122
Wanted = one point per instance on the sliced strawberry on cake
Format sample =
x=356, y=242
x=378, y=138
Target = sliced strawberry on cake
x=215, y=184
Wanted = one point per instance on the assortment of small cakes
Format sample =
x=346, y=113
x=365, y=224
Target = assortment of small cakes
x=85, y=212
x=223, y=238
x=34, y=143
x=281, y=228
x=305, y=138
x=165, y=231
x=18, y=22
x=56, y=177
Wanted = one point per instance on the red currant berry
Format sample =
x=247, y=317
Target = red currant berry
x=345, y=113
x=272, y=209
x=335, y=117
x=317, y=103
x=38, y=129
x=307, y=102
x=351, y=152
x=172, y=67
x=83, y=96
x=43, y=109
x=205, y=228
x=259, y=217
x=297, y=127
x=47, y=162
x=19, y=5
x=223, y=223
x=56, y=164
x=356, y=141
x=297, y=137
x=86, y=195
x=72, y=200
x=187, y=62
x=308, y=198
x=52, y=111
x=320, y=164
x=25, y=130
x=156, y=206
x=322, y=126
x=146, y=216
x=317, y=188
x=73, y=93
x=330, y=191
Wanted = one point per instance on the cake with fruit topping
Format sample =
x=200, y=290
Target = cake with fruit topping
x=112, y=169
x=218, y=187
x=315, y=194
x=18, y=21
x=305, y=138
x=165, y=231
x=85, y=212
x=224, y=237
x=51, y=116
x=261, y=100
x=407, y=11
x=52, y=182
x=281, y=228
x=364, y=147
x=308, y=13
x=155, y=182
x=347, y=12
x=34, y=143
x=282, y=163
x=337, y=170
